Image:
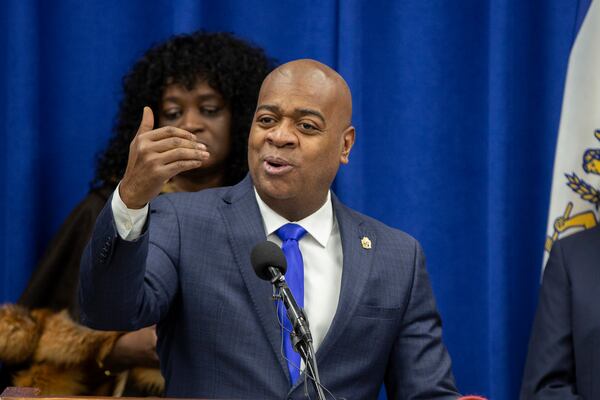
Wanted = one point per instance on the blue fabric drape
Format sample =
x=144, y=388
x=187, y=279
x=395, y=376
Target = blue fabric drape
x=456, y=106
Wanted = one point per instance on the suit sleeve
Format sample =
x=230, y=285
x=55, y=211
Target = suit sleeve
x=420, y=366
x=550, y=366
x=127, y=285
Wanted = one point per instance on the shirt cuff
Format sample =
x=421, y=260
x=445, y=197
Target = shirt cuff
x=129, y=222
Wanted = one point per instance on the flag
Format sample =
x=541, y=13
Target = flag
x=575, y=196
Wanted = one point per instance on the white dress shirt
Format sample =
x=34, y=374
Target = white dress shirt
x=129, y=222
x=321, y=251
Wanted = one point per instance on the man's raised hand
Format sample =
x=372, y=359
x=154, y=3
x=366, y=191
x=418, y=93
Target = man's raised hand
x=155, y=156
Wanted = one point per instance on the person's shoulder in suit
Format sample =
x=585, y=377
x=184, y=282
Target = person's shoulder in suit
x=383, y=231
x=578, y=253
x=581, y=240
x=554, y=366
x=193, y=203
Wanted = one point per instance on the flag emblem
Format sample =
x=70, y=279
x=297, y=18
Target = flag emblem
x=575, y=197
x=587, y=192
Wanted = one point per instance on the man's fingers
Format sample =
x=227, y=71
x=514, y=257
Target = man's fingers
x=180, y=166
x=147, y=123
x=181, y=154
x=174, y=142
x=169, y=163
x=171, y=131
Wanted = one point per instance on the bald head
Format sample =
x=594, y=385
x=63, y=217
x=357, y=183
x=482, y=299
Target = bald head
x=300, y=135
x=311, y=72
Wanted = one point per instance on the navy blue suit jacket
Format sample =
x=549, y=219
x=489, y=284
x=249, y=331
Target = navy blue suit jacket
x=564, y=349
x=218, y=332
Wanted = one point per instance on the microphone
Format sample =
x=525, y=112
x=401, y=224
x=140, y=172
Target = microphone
x=267, y=255
x=269, y=264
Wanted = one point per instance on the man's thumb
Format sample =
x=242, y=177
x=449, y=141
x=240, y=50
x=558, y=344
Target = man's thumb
x=147, y=123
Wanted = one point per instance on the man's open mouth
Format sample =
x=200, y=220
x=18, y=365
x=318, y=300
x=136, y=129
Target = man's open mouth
x=277, y=166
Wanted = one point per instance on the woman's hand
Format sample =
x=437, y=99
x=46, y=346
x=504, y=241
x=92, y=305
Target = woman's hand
x=134, y=349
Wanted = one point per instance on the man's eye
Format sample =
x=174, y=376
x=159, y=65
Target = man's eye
x=308, y=127
x=266, y=120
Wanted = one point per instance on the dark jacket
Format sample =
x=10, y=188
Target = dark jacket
x=54, y=282
x=218, y=333
x=564, y=349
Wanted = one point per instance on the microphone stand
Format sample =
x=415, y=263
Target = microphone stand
x=301, y=336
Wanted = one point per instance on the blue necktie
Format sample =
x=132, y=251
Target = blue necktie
x=290, y=234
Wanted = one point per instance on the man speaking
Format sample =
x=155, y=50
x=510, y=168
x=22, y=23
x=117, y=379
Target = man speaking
x=183, y=262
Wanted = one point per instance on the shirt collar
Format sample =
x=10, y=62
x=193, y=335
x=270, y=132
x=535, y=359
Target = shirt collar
x=319, y=224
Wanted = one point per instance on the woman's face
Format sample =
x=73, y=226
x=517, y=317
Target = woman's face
x=203, y=112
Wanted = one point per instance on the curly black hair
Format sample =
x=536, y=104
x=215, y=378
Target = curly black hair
x=231, y=66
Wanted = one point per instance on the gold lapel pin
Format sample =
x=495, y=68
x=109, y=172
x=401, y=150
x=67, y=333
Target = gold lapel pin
x=365, y=242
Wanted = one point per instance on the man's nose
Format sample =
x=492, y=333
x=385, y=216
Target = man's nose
x=192, y=121
x=283, y=135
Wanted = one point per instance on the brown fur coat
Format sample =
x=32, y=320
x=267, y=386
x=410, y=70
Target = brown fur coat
x=49, y=351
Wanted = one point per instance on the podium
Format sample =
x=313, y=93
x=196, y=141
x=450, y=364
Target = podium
x=12, y=392
x=26, y=393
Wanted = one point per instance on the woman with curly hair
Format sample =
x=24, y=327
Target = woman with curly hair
x=204, y=83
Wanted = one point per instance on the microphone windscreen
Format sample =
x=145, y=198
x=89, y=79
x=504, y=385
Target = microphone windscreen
x=267, y=254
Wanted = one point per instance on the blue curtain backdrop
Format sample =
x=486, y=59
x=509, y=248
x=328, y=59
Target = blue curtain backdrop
x=457, y=105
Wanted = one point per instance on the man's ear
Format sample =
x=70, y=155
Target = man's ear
x=348, y=137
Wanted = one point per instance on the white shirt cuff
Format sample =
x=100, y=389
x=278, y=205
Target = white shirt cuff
x=129, y=222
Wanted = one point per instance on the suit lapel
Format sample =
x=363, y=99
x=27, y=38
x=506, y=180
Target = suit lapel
x=356, y=268
x=245, y=229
